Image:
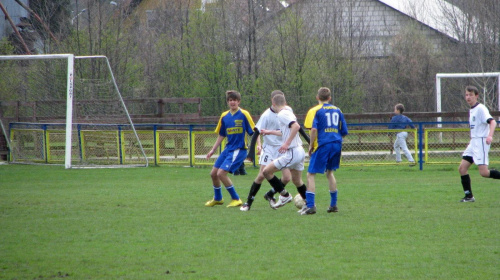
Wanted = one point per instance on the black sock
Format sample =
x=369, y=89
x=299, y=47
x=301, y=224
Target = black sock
x=284, y=185
x=302, y=191
x=466, y=185
x=494, y=174
x=270, y=193
x=276, y=184
x=253, y=192
x=284, y=193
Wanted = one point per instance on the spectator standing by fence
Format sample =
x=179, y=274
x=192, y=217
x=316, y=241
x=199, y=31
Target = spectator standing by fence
x=400, y=121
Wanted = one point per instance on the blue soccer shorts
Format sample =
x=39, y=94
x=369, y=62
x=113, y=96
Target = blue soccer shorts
x=230, y=160
x=326, y=157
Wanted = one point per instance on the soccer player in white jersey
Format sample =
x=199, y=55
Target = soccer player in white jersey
x=482, y=128
x=268, y=152
x=292, y=154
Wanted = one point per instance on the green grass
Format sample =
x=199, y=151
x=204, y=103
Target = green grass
x=150, y=223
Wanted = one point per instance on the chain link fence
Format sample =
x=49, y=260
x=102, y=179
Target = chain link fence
x=188, y=145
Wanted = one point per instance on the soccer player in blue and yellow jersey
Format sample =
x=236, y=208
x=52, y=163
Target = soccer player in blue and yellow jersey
x=233, y=124
x=328, y=126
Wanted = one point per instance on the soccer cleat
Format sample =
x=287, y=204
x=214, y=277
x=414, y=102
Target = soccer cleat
x=213, y=202
x=309, y=211
x=304, y=207
x=245, y=207
x=412, y=163
x=282, y=200
x=332, y=209
x=468, y=199
x=270, y=199
x=236, y=173
x=243, y=172
x=235, y=203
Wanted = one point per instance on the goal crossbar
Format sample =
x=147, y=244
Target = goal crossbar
x=439, y=76
x=37, y=56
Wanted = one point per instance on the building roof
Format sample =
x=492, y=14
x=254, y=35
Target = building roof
x=429, y=12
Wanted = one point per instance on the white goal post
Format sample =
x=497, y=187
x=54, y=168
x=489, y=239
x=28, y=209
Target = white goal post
x=102, y=97
x=439, y=76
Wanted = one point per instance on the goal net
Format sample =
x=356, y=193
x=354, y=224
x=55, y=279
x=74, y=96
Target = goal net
x=65, y=109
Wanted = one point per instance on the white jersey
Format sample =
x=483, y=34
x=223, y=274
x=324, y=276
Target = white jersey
x=269, y=120
x=286, y=118
x=478, y=117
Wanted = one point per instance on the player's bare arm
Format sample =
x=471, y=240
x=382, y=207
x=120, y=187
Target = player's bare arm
x=216, y=145
x=270, y=132
x=313, y=136
x=493, y=125
x=259, y=146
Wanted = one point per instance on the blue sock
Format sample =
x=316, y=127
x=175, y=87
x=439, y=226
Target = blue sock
x=310, y=199
x=333, y=200
x=233, y=193
x=217, y=193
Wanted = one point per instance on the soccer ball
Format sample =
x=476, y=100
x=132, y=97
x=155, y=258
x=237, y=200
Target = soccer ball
x=298, y=201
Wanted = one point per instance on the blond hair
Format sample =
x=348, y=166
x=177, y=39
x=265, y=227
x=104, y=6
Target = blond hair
x=279, y=100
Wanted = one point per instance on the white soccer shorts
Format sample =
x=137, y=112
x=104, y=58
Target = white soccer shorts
x=478, y=150
x=292, y=159
x=268, y=154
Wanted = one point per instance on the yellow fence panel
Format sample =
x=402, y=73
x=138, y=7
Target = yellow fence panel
x=100, y=147
x=29, y=145
x=131, y=153
x=56, y=146
x=376, y=147
x=446, y=145
x=172, y=147
x=203, y=141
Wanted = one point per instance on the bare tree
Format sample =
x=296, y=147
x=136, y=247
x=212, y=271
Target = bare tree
x=408, y=75
x=476, y=24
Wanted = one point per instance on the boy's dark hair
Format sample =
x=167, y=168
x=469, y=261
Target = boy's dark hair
x=472, y=89
x=279, y=100
x=400, y=107
x=232, y=94
x=276, y=92
x=324, y=94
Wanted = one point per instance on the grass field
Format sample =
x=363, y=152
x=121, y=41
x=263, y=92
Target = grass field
x=150, y=223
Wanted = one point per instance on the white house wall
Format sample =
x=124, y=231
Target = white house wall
x=15, y=11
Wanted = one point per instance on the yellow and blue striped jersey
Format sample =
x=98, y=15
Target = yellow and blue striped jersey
x=329, y=121
x=234, y=126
